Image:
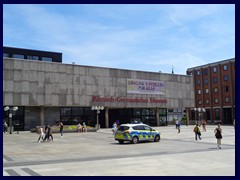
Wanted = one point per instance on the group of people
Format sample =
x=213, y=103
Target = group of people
x=217, y=131
x=82, y=128
x=46, y=133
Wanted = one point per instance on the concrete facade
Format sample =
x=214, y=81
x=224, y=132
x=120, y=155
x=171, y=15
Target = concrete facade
x=40, y=85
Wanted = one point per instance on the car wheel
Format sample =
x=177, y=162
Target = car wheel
x=157, y=138
x=121, y=141
x=135, y=140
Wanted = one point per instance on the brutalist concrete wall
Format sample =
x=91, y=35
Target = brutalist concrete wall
x=36, y=83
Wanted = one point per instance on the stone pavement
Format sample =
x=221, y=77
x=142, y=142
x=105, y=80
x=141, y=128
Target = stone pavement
x=97, y=153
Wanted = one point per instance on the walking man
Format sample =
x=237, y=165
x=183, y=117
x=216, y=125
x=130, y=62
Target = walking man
x=197, y=132
x=61, y=128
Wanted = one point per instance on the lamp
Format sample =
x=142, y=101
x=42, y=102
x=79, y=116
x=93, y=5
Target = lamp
x=97, y=109
x=7, y=108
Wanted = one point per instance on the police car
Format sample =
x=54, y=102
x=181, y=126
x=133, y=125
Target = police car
x=136, y=133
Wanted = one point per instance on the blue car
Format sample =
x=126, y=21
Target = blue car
x=136, y=133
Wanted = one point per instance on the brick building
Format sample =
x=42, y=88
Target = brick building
x=214, y=91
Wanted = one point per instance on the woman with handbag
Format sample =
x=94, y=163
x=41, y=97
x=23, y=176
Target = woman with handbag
x=218, y=135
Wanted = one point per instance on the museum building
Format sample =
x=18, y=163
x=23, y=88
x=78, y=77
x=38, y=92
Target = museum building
x=47, y=91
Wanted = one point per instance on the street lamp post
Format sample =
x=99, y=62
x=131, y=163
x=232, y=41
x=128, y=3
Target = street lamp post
x=97, y=109
x=200, y=111
x=7, y=108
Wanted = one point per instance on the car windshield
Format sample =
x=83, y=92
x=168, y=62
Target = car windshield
x=123, y=128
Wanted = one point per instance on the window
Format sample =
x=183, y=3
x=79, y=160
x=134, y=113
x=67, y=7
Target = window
x=207, y=101
x=199, y=91
x=205, y=71
x=206, y=91
x=216, y=100
x=226, y=99
x=206, y=81
x=198, y=82
x=225, y=77
x=215, y=80
x=198, y=72
x=19, y=56
x=226, y=88
x=199, y=101
x=49, y=59
x=5, y=55
x=214, y=69
x=225, y=67
x=215, y=90
x=217, y=114
x=33, y=57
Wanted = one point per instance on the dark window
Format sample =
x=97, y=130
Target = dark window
x=136, y=111
x=33, y=57
x=123, y=128
x=18, y=56
x=225, y=67
x=226, y=99
x=199, y=101
x=217, y=114
x=137, y=127
x=206, y=81
x=198, y=72
x=225, y=77
x=49, y=59
x=215, y=90
x=215, y=80
x=214, y=69
x=5, y=55
x=207, y=101
x=147, y=128
x=198, y=82
x=206, y=71
x=170, y=110
x=226, y=88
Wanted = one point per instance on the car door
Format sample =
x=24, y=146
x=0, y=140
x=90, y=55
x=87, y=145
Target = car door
x=149, y=134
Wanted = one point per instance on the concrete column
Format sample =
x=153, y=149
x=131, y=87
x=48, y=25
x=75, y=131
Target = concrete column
x=157, y=116
x=42, y=116
x=106, y=118
x=187, y=113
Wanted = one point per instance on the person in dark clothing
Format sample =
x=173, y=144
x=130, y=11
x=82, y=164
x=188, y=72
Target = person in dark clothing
x=218, y=135
x=197, y=132
x=61, y=128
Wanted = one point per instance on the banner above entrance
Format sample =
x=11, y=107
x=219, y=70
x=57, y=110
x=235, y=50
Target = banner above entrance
x=138, y=86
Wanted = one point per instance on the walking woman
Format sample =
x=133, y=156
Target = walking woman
x=197, y=132
x=218, y=135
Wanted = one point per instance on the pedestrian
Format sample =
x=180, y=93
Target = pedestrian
x=234, y=123
x=114, y=127
x=178, y=126
x=50, y=133
x=79, y=127
x=204, y=123
x=61, y=128
x=197, y=132
x=5, y=127
x=41, y=134
x=117, y=122
x=46, y=133
x=84, y=127
x=218, y=135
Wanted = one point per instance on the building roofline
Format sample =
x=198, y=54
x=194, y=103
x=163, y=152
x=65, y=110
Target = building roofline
x=212, y=64
x=9, y=47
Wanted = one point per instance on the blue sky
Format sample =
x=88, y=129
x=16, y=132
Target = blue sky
x=148, y=37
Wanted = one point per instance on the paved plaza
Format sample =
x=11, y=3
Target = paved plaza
x=98, y=154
